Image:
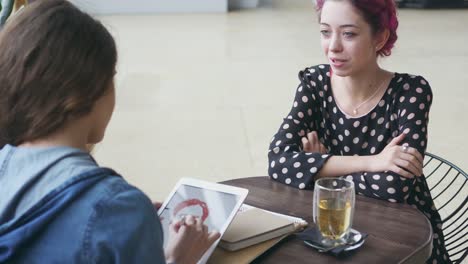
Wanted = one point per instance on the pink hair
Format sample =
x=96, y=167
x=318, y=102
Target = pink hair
x=380, y=15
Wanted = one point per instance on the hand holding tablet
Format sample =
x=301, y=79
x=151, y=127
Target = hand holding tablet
x=194, y=217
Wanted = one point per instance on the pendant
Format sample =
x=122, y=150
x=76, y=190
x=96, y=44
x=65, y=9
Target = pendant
x=355, y=111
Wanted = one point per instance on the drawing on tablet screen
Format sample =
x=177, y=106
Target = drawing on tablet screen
x=191, y=205
x=211, y=206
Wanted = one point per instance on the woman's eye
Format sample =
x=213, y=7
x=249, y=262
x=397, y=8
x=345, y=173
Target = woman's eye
x=325, y=33
x=349, y=34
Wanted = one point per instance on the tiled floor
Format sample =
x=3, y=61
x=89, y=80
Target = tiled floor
x=200, y=95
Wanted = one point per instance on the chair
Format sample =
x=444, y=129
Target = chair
x=449, y=189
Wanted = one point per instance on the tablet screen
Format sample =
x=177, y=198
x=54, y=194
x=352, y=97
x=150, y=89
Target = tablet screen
x=212, y=206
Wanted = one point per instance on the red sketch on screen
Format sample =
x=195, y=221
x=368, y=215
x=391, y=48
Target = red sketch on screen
x=192, y=202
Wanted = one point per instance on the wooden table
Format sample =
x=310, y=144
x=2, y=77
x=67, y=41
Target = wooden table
x=398, y=233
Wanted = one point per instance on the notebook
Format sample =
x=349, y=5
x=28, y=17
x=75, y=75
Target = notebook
x=253, y=225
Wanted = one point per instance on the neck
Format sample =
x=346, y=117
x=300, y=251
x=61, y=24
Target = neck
x=73, y=135
x=362, y=85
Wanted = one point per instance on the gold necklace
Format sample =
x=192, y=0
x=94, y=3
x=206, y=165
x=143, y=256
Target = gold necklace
x=355, y=110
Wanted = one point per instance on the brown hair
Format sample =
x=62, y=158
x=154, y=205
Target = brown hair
x=55, y=63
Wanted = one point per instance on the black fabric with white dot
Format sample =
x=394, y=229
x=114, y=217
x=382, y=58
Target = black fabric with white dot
x=404, y=108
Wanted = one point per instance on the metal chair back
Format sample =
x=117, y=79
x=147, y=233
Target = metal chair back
x=448, y=185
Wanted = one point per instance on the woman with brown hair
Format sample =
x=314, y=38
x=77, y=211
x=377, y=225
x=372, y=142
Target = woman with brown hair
x=57, y=95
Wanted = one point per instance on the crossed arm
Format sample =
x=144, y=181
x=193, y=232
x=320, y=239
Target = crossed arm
x=297, y=156
x=402, y=160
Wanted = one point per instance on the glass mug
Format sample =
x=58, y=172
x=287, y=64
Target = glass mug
x=333, y=209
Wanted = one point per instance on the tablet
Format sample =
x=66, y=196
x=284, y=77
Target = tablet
x=216, y=204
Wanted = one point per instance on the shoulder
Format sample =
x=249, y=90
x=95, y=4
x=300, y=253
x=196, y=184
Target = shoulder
x=412, y=98
x=121, y=217
x=320, y=71
x=115, y=192
x=315, y=76
x=412, y=85
x=114, y=198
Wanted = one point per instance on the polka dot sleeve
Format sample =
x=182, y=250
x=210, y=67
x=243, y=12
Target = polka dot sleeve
x=413, y=103
x=288, y=163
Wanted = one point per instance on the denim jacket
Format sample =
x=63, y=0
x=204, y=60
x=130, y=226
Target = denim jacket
x=58, y=206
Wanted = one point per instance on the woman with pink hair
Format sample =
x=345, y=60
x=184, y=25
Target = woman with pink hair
x=351, y=118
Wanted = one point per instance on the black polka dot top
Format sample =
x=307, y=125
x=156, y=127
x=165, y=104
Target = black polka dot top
x=404, y=108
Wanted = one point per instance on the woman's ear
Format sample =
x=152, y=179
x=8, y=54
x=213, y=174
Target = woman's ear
x=381, y=39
